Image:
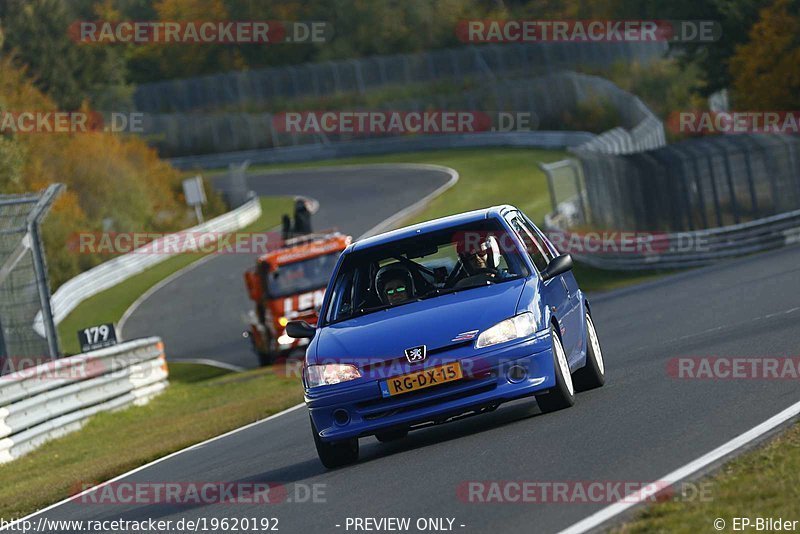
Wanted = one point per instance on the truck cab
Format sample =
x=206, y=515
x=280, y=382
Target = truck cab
x=287, y=284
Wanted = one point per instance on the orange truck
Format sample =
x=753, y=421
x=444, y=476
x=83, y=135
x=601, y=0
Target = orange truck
x=289, y=283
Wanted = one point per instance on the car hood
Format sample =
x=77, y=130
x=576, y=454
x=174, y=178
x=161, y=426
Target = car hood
x=384, y=335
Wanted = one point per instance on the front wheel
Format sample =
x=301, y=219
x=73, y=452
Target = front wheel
x=562, y=395
x=593, y=374
x=335, y=454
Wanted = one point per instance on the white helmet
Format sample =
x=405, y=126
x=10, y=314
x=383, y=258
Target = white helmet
x=475, y=244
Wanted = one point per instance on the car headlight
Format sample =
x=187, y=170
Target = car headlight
x=522, y=325
x=331, y=373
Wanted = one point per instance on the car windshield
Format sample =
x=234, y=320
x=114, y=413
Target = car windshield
x=301, y=276
x=424, y=267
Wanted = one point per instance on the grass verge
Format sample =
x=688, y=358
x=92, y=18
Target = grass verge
x=201, y=402
x=110, y=305
x=762, y=483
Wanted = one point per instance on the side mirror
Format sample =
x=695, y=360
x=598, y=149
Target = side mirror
x=300, y=330
x=557, y=266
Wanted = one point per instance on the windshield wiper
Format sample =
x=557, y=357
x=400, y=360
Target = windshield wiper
x=445, y=291
x=362, y=311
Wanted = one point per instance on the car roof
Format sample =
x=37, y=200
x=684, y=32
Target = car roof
x=431, y=226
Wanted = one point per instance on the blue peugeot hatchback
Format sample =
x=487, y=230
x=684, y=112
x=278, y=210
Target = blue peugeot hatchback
x=442, y=320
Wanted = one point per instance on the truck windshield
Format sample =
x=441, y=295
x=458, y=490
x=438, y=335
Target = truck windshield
x=301, y=276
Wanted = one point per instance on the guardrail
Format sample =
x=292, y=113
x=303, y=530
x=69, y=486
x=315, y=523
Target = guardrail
x=674, y=250
x=112, y=272
x=44, y=402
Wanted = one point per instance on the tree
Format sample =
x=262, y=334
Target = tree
x=764, y=70
x=160, y=60
x=734, y=17
x=36, y=33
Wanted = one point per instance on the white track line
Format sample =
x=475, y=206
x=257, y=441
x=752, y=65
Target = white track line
x=420, y=204
x=453, y=179
x=11, y=526
x=598, y=518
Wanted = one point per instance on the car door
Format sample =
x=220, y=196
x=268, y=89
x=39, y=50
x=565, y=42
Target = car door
x=576, y=312
x=556, y=294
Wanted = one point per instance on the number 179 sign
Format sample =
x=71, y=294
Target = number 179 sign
x=97, y=337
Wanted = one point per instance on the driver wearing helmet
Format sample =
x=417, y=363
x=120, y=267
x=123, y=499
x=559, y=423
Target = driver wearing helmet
x=480, y=256
x=394, y=283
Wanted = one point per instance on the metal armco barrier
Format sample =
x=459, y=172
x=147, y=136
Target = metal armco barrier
x=679, y=249
x=46, y=401
x=112, y=272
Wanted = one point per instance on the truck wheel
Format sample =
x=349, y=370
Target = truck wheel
x=265, y=358
x=335, y=454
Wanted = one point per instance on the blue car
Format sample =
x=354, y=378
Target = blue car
x=441, y=320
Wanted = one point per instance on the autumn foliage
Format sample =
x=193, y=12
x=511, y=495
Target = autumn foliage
x=114, y=183
x=765, y=70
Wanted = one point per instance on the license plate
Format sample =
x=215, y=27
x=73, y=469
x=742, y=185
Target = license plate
x=422, y=379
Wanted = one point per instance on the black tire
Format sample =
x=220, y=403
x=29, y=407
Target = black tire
x=593, y=374
x=265, y=358
x=562, y=395
x=391, y=435
x=335, y=454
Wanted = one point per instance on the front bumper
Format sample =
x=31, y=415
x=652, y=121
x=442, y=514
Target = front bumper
x=357, y=408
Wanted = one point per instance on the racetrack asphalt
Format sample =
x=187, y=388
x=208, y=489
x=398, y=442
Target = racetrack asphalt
x=640, y=426
x=199, y=314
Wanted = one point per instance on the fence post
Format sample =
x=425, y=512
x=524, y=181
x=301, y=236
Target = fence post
x=40, y=267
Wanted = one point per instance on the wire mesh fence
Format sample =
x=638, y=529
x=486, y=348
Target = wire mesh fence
x=257, y=88
x=24, y=290
x=695, y=184
x=556, y=101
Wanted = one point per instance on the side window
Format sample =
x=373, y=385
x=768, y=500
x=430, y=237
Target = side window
x=550, y=248
x=537, y=237
x=536, y=252
x=342, y=298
